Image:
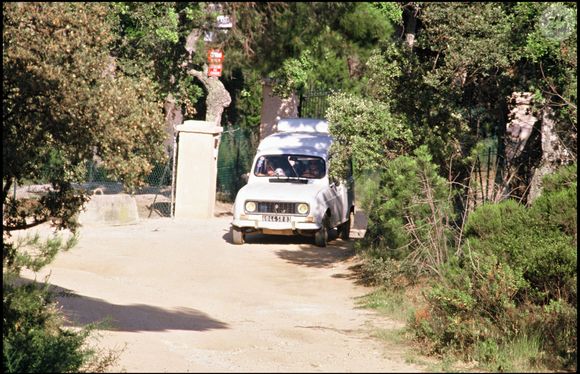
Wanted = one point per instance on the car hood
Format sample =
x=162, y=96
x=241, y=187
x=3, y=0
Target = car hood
x=291, y=192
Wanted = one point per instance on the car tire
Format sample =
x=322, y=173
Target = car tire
x=345, y=227
x=321, y=236
x=238, y=236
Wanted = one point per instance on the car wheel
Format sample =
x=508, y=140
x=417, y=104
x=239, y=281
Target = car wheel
x=238, y=236
x=345, y=227
x=321, y=236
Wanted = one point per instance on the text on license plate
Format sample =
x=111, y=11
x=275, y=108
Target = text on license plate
x=276, y=218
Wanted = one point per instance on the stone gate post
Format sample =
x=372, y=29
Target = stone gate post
x=196, y=172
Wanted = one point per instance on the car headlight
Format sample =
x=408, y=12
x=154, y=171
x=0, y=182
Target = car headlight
x=250, y=206
x=302, y=208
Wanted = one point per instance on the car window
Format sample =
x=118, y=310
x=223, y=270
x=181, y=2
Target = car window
x=285, y=165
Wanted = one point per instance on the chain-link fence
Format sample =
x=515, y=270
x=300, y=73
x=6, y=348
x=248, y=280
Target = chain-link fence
x=236, y=152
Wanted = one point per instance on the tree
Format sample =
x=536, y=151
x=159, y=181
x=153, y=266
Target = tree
x=165, y=42
x=63, y=103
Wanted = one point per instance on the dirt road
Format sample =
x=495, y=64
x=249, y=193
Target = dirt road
x=181, y=297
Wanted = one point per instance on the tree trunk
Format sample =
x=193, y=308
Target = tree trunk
x=519, y=128
x=218, y=97
x=554, y=154
x=410, y=14
x=173, y=117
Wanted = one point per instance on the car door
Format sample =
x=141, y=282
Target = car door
x=338, y=200
x=345, y=194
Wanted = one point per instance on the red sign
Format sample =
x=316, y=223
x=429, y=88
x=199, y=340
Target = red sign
x=215, y=56
x=214, y=70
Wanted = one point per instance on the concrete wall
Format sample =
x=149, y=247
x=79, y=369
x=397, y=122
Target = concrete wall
x=274, y=108
x=196, y=173
x=119, y=209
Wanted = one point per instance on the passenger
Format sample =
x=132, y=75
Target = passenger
x=274, y=170
x=312, y=171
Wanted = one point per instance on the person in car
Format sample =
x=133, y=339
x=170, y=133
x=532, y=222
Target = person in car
x=312, y=170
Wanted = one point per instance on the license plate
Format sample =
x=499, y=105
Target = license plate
x=276, y=218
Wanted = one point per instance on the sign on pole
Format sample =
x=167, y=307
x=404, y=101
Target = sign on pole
x=215, y=56
x=214, y=70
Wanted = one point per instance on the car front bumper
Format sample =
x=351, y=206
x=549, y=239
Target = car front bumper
x=257, y=222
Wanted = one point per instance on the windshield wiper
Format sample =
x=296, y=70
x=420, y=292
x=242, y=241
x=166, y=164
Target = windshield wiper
x=299, y=180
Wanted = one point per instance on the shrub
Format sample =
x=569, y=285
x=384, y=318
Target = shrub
x=564, y=178
x=516, y=277
x=32, y=338
x=558, y=210
x=474, y=304
x=410, y=213
x=377, y=271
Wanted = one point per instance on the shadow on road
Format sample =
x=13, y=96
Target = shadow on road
x=309, y=254
x=83, y=310
x=312, y=256
x=261, y=239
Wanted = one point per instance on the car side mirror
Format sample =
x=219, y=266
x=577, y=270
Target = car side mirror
x=245, y=177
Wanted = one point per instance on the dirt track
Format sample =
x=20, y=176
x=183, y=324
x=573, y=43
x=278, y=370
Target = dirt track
x=182, y=298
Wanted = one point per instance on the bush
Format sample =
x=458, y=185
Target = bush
x=558, y=210
x=516, y=277
x=32, y=339
x=564, y=178
x=410, y=212
x=474, y=305
x=377, y=271
x=558, y=325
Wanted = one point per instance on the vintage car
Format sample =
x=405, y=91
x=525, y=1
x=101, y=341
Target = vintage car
x=289, y=191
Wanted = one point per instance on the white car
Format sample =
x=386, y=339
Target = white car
x=289, y=191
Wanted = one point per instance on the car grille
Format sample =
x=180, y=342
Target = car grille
x=276, y=207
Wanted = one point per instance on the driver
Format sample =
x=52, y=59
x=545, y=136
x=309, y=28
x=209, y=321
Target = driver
x=312, y=170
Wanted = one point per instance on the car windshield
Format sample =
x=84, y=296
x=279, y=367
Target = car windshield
x=296, y=166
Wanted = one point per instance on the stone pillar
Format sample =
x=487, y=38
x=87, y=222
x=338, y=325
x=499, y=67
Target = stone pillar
x=196, y=174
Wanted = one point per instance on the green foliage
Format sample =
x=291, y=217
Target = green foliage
x=368, y=24
x=366, y=131
x=245, y=88
x=565, y=178
x=331, y=48
x=475, y=304
x=410, y=215
x=150, y=41
x=61, y=105
x=557, y=322
x=517, y=275
x=64, y=103
x=34, y=340
x=293, y=75
x=556, y=208
x=391, y=302
x=383, y=70
x=378, y=271
x=533, y=240
x=391, y=11
x=30, y=252
x=478, y=40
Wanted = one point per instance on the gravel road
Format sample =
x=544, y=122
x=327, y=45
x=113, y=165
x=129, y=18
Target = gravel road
x=180, y=297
